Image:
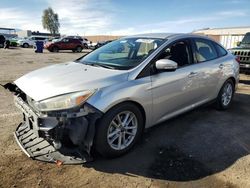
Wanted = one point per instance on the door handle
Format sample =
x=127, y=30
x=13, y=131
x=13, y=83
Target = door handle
x=221, y=66
x=192, y=74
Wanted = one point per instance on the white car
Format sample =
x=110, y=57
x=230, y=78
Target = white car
x=28, y=42
x=25, y=43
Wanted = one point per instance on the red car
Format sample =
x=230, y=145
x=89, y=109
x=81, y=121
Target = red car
x=65, y=44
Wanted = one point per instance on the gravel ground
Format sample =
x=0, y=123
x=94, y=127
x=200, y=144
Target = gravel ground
x=202, y=148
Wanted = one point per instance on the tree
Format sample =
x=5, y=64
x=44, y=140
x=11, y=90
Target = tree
x=50, y=21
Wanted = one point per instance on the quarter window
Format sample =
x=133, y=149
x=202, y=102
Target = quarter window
x=221, y=51
x=205, y=50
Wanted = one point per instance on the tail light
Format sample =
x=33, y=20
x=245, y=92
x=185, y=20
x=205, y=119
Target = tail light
x=237, y=58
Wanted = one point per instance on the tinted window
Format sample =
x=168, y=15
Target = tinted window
x=205, y=50
x=221, y=51
x=65, y=40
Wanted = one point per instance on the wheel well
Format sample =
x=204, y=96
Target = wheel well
x=54, y=47
x=233, y=79
x=139, y=106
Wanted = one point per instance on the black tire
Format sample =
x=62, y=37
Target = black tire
x=101, y=141
x=85, y=46
x=74, y=51
x=78, y=49
x=55, y=49
x=219, y=101
x=26, y=45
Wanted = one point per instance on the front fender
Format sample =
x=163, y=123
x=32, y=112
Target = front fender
x=133, y=90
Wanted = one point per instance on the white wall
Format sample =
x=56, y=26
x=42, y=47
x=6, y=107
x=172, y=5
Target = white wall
x=230, y=41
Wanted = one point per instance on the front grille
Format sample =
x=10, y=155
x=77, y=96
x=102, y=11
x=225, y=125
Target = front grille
x=243, y=55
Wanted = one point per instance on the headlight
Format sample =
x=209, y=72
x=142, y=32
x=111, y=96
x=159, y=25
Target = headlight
x=63, y=102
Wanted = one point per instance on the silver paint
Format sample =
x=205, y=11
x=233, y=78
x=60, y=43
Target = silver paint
x=161, y=96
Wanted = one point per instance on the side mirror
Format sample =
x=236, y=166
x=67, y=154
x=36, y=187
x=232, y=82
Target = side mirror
x=238, y=43
x=166, y=64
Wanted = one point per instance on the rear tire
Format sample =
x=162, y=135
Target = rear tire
x=78, y=49
x=85, y=46
x=119, y=130
x=225, y=96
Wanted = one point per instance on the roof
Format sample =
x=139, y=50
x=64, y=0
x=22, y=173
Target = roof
x=44, y=34
x=156, y=35
x=4, y=28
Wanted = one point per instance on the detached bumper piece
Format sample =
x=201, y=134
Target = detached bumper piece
x=39, y=149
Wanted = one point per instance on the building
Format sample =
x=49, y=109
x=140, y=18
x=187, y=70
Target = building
x=228, y=36
x=98, y=38
x=8, y=32
x=29, y=33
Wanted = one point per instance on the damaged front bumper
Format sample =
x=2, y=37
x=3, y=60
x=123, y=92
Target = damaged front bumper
x=60, y=136
x=38, y=148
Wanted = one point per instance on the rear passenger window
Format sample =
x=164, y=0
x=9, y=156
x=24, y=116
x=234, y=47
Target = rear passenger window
x=205, y=50
x=221, y=51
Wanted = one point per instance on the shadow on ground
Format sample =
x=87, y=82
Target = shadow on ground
x=189, y=147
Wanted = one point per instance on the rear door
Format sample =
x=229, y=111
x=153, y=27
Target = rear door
x=73, y=43
x=210, y=67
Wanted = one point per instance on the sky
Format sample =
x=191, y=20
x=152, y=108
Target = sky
x=125, y=17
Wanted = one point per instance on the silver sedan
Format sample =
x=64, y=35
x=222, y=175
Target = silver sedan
x=105, y=99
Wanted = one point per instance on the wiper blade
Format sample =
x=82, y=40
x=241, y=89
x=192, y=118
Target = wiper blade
x=100, y=65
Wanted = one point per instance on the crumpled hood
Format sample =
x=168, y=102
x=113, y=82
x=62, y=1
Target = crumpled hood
x=66, y=78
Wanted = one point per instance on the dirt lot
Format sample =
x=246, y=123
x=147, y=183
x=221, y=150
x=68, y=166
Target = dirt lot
x=202, y=148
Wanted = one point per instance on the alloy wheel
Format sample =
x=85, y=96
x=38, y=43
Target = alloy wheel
x=122, y=130
x=227, y=94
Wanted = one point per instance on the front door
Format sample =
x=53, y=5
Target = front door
x=175, y=91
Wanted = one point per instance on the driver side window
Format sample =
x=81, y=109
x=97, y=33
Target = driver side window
x=178, y=52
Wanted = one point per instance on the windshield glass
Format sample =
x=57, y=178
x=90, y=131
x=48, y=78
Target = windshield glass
x=246, y=39
x=122, y=54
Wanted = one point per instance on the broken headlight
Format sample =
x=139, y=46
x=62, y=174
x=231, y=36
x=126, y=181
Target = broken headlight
x=64, y=101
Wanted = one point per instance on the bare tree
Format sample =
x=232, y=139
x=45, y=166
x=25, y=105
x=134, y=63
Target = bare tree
x=50, y=21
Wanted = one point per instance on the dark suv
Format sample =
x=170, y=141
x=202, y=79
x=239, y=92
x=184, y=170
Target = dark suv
x=2, y=40
x=243, y=52
x=65, y=44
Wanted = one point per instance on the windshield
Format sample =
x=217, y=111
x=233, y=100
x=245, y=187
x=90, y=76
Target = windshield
x=122, y=54
x=246, y=39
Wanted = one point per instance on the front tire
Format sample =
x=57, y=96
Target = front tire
x=225, y=96
x=119, y=130
x=55, y=49
x=26, y=45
